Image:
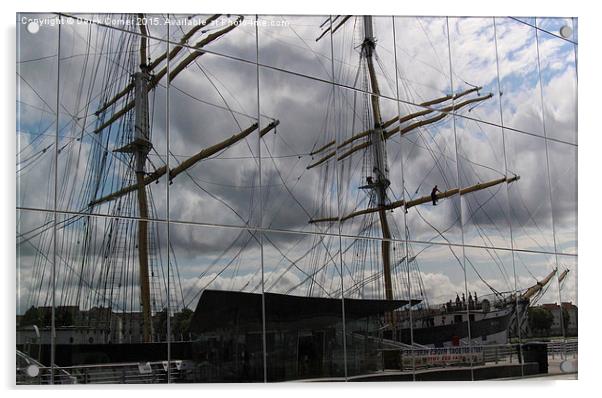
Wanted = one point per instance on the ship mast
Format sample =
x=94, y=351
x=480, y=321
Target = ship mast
x=376, y=138
x=141, y=148
x=380, y=169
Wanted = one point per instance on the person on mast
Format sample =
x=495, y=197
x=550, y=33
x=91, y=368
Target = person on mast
x=434, y=195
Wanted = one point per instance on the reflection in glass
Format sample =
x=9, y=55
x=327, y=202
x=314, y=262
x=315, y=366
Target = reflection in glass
x=232, y=35
x=35, y=263
x=374, y=335
x=474, y=66
x=529, y=197
x=36, y=112
x=559, y=81
x=481, y=166
x=493, y=307
x=107, y=282
x=360, y=156
x=429, y=162
x=218, y=310
x=213, y=141
x=540, y=279
x=105, y=148
x=350, y=35
x=295, y=43
x=298, y=166
x=519, y=76
x=102, y=287
x=567, y=283
x=422, y=58
x=446, y=325
x=563, y=178
x=303, y=307
x=437, y=280
x=418, y=221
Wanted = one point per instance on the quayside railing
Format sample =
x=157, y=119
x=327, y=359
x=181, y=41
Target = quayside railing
x=116, y=373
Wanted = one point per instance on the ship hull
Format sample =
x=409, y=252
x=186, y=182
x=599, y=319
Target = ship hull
x=492, y=328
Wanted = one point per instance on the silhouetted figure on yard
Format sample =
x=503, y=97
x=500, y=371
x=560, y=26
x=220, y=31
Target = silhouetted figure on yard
x=457, y=301
x=434, y=195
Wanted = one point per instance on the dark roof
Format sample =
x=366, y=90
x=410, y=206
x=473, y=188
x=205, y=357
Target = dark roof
x=238, y=310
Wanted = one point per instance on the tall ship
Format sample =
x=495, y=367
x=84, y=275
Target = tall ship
x=228, y=206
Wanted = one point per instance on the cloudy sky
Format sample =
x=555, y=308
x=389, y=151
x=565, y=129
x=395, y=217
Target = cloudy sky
x=280, y=72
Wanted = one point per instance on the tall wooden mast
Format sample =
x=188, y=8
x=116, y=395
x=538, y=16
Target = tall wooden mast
x=376, y=139
x=380, y=169
x=141, y=148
